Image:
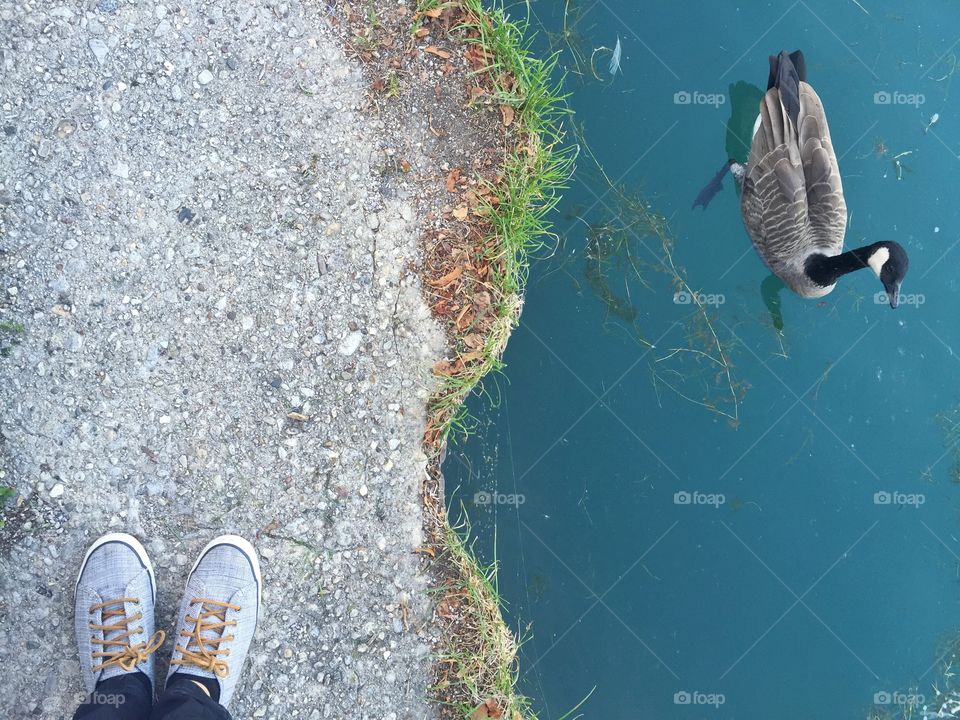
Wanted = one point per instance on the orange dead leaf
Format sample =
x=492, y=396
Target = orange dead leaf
x=426, y=551
x=460, y=213
x=452, y=177
x=433, y=12
x=476, y=93
x=447, y=279
x=270, y=527
x=460, y=321
x=434, y=50
x=445, y=367
x=508, y=114
x=443, y=609
x=490, y=709
x=405, y=165
x=422, y=32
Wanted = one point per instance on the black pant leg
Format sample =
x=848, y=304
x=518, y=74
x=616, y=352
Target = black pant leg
x=185, y=701
x=124, y=697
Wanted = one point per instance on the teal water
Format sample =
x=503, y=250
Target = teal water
x=786, y=588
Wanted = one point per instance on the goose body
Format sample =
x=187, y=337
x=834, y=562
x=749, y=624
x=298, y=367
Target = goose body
x=792, y=196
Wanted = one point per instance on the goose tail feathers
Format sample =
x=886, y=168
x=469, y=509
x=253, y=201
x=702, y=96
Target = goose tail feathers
x=787, y=71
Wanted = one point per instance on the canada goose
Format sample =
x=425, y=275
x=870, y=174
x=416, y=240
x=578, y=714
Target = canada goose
x=792, y=198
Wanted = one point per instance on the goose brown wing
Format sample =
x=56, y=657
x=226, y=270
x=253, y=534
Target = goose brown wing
x=774, y=200
x=826, y=208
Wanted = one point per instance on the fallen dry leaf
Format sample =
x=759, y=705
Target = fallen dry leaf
x=270, y=527
x=461, y=322
x=447, y=279
x=443, y=609
x=452, y=178
x=445, y=367
x=298, y=417
x=489, y=709
x=405, y=165
x=508, y=115
x=433, y=12
x=426, y=551
x=460, y=213
x=422, y=32
x=434, y=50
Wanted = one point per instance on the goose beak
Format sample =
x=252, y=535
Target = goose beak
x=893, y=292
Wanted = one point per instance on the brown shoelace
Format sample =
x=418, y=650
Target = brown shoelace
x=127, y=656
x=211, y=618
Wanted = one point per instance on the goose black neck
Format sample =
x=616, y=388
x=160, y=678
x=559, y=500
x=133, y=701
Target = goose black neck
x=825, y=270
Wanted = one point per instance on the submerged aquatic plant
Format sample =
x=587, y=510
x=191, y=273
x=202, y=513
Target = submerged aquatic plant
x=633, y=244
x=949, y=422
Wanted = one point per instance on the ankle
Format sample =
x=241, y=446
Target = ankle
x=209, y=686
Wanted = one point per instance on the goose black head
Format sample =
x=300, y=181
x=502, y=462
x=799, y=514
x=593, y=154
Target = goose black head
x=889, y=262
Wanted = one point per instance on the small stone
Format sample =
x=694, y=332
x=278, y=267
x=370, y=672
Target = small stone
x=232, y=63
x=44, y=149
x=99, y=49
x=185, y=214
x=247, y=322
x=122, y=170
x=107, y=6
x=163, y=27
x=373, y=221
x=205, y=77
x=57, y=490
x=350, y=344
x=70, y=244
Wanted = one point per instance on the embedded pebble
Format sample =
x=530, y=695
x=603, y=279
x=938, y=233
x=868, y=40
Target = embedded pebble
x=350, y=343
x=99, y=49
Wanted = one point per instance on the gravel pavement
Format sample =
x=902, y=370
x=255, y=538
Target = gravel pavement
x=222, y=332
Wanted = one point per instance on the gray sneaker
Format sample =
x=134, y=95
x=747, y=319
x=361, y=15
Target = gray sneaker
x=113, y=609
x=218, y=614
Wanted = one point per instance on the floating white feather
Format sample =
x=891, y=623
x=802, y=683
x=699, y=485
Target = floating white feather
x=615, y=59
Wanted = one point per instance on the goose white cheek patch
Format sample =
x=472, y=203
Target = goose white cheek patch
x=877, y=260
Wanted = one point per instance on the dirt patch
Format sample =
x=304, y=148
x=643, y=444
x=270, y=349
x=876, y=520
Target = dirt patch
x=445, y=79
